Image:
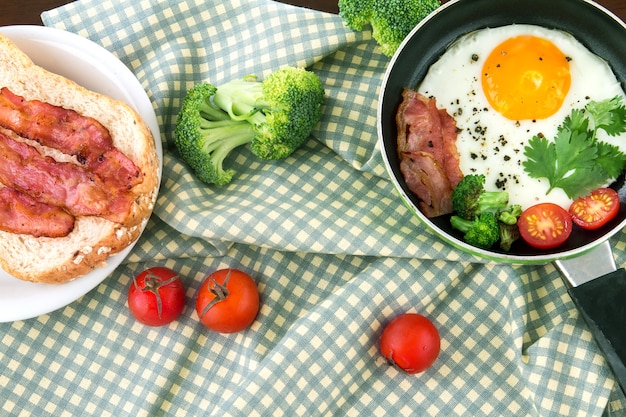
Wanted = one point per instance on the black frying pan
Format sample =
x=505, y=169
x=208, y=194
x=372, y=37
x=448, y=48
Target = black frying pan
x=602, y=33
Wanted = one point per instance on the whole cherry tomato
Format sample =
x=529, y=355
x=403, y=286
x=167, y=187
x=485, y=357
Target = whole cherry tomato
x=156, y=296
x=227, y=301
x=595, y=210
x=545, y=225
x=410, y=342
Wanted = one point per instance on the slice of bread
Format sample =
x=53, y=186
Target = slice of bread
x=94, y=239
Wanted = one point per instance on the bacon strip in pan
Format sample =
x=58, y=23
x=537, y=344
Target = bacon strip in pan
x=429, y=159
x=71, y=133
x=427, y=179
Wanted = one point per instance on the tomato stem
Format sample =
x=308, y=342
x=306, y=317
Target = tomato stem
x=152, y=284
x=390, y=361
x=220, y=291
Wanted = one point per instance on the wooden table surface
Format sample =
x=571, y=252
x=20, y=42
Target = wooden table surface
x=18, y=12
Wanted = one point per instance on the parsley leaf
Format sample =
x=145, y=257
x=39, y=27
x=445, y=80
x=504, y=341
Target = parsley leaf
x=583, y=182
x=573, y=151
x=541, y=158
x=576, y=121
x=611, y=159
x=575, y=161
x=608, y=115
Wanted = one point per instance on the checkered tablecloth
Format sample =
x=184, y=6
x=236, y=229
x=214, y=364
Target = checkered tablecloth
x=335, y=254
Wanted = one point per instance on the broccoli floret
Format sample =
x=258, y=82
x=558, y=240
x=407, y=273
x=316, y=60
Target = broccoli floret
x=474, y=206
x=391, y=20
x=470, y=199
x=275, y=116
x=205, y=135
x=509, y=233
x=482, y=232
x=284, y=109
x=510, y=214
x=355, y=13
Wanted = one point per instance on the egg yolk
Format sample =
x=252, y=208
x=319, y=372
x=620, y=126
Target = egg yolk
x=526, y=77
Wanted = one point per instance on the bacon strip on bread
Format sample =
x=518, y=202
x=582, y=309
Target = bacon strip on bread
x=429, y=159
x=79, y=173
x=23, y=214
x=61, y=184
x=71, y=133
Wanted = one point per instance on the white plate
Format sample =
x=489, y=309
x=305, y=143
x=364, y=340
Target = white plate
x=95, y=68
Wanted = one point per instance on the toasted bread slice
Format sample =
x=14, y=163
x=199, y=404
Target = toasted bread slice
x=94, y=239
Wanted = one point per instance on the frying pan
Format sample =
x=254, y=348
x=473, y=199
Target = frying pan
x=585, y=260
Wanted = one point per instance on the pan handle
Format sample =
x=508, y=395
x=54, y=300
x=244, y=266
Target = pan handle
x=599, y=292
x=602, y=303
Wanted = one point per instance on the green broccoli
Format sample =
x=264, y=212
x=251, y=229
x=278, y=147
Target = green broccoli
x=509, y=233
x=482, y=232
x=470, y=199
x=474, y=206
x=275, y=116
x=356, y=13
x=391, y=20
x=510, y=214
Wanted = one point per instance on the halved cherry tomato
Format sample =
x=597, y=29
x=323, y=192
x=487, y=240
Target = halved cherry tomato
x=595, y=210
x=227, y=301
x=156, y=296
x=410, y=342
x=545, y=225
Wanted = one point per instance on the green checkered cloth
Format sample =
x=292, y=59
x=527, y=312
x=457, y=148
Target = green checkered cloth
x=335, y=253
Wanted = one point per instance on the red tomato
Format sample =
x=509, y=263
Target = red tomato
x=156, y=296
x=595, y=210
x=227, y=301
x=410, y=342
x=545, y=225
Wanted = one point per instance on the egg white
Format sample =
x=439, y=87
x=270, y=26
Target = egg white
x=493, y=145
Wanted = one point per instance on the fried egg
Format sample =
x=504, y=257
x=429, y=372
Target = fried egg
x=503, y=86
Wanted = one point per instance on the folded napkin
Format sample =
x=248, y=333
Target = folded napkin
x=333, y=195
x=334, y=251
